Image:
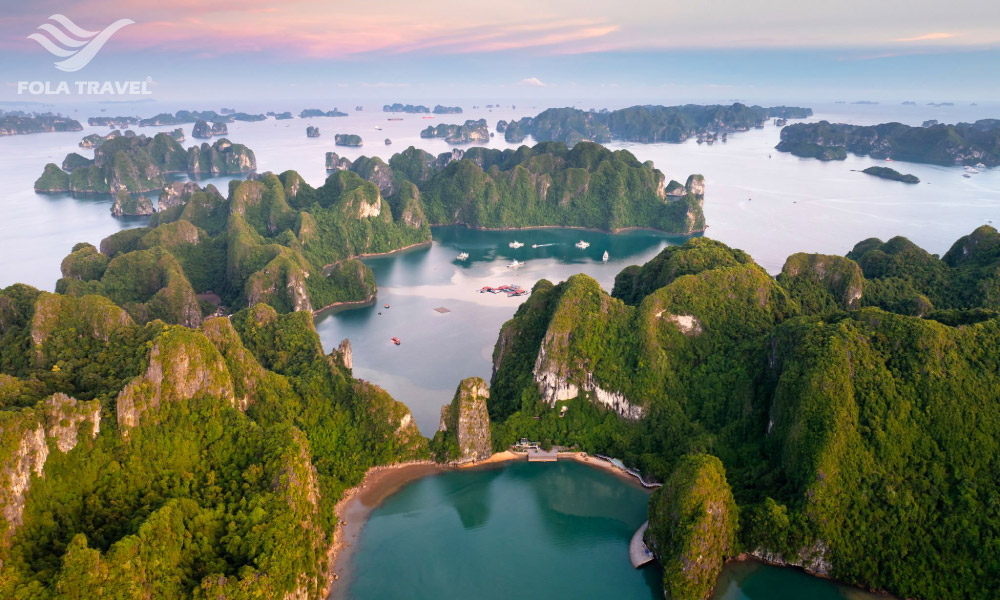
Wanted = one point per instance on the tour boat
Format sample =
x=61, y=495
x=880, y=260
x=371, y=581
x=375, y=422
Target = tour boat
x=514, y=264
x=378, y=127
x=971, y=170
x=582, y=245
x=605, y=258
x=396, y=341
x=387, y=306
x=515, y=244
x=978, y=165
x=463, y=256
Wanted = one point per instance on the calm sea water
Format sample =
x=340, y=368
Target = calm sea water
x=554, y=530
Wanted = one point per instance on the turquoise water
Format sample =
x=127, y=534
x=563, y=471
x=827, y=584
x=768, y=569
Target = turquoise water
x=553, y=531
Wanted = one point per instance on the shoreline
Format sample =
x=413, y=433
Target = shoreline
x=353, y=509
x=577, y=227
x=346, y=304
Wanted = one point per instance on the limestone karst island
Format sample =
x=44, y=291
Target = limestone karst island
x=439, y=301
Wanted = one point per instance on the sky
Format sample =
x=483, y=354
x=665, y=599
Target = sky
x=401, y=50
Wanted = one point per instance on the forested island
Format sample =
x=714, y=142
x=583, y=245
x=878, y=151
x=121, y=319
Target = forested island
x=547, y=185
x=471, y=132
x=934, y=143
x=645, y=124
x=21, y=123
x=316, y=112
x=891, y=174
x=137, y=164
x=447, y=110
x=841, y=417
x=183, y=117
x=202, y=130
x=405, y=108
x=312, y=132
x=277, y=240
x=114, y=122
x=347, y=139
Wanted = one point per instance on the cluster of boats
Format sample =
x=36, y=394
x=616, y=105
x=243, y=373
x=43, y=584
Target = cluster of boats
x=516, y=244
x=970, y=171
x=511, y=290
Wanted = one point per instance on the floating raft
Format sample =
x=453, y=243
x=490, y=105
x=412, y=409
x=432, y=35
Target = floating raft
x=442, y=310
x=638, y=553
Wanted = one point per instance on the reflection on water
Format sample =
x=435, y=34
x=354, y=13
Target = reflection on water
x=503, y=533
x=440, y=349
x=756, y=581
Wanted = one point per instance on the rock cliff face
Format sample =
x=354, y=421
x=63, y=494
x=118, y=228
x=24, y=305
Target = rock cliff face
x=345, y=354
x=27, y=437
x=468, y=420
x=127, y=205
x=176, y=194
x=183, y=364
x=203, y=130
x=692, y=527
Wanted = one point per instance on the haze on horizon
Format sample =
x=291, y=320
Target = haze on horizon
x=646, y=51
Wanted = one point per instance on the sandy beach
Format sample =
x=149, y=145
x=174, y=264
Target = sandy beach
x=358, y=502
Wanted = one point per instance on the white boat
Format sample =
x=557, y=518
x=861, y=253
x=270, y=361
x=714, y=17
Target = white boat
x=534, y=245
x=966, y=175
x=463, y=256
x=515, y=244
x=582, y=245
x=971, y=170
x=514, y=264
x=379, y=128
x=980, y=166
x=605, y=258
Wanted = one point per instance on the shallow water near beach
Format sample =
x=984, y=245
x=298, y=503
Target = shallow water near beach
x=547, y=530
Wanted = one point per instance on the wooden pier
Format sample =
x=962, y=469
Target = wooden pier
x=638, y=553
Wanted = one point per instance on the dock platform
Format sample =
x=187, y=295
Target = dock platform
x=538, y=455
x=638, y=553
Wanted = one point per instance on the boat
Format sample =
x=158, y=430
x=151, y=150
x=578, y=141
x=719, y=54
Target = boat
x=971, y=170
x=515, y=244
x=582, y=245
x=888, y=159
x=396, y=341
x=463, y=256
x=534, y=245
x=378, y=128
x=605, y=257
x=966, y=175
x=427, y=117
x=514, y=264
x=387, y=306
x=980, y=166
x=395, y=118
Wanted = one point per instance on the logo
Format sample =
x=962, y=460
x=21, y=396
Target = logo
x=76, y=45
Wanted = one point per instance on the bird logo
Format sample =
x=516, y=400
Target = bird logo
x=76, y=45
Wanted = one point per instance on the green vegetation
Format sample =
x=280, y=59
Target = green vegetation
x=405, y=108
x=234, y=442
x=692, y=526
x=275, y=239
x=891, y=174
x=548, y=184
x=470, y=132
x=938, y=144
x=859, y=439
x=646, y=124
x=316, y=112
x=347, y=139
x=19, y=123
x=138, y=164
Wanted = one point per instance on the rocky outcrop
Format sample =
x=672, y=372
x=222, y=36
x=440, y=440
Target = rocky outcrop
x=244, y=368
x=822, y=282
x=176, y=194
x=27, y=437
x=345, y=354
x=312, y=131
x=347, y=139
x=127, y=205
x=695, y=185
x=203, y=130
x=813, y=559
x=95, y=316
x=468, y=420
x=692, y=527
x=183, y=364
